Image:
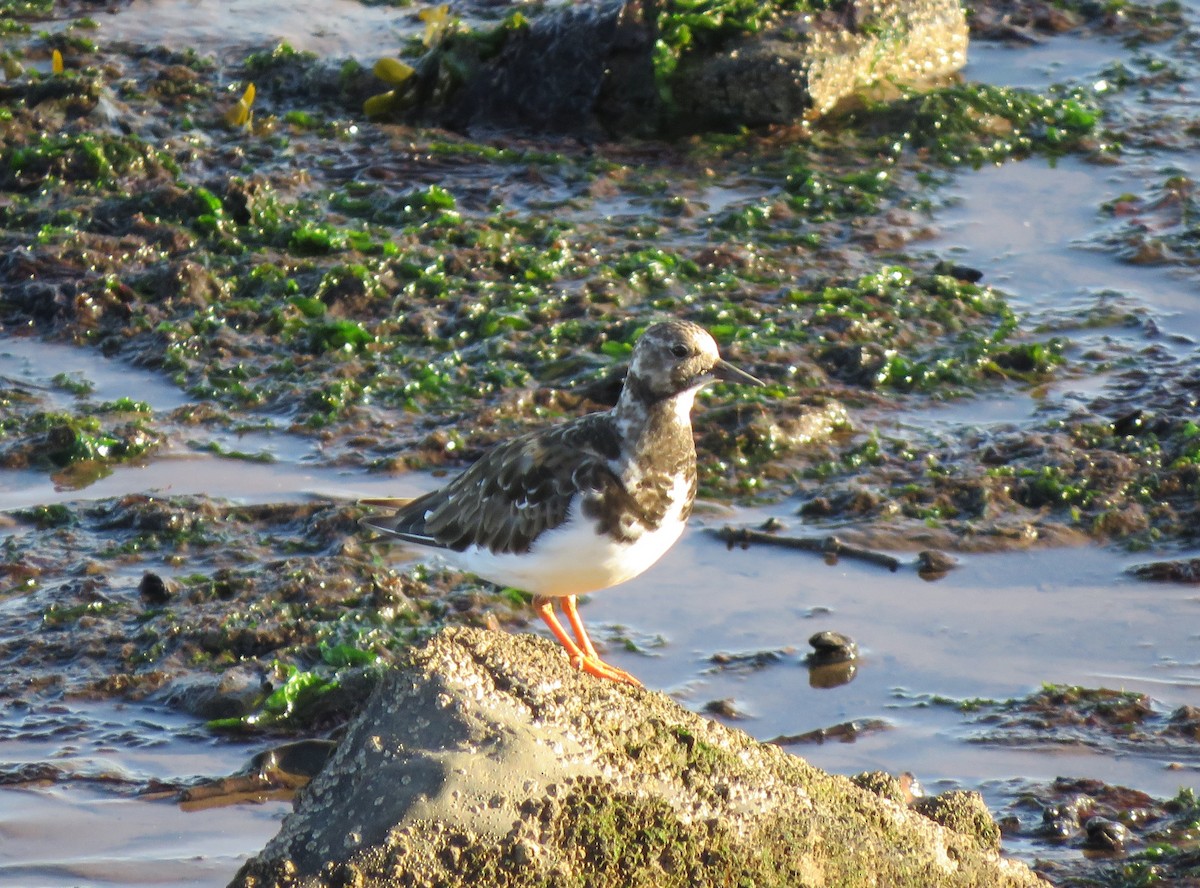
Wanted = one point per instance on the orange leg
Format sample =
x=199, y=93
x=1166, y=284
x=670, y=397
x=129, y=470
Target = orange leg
x=583, y=655
x=569, y=608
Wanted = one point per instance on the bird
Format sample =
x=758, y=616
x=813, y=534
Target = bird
x=581, y=506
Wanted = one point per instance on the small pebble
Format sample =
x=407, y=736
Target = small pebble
x=831, y=647
x=932, y=564
x=725, y=708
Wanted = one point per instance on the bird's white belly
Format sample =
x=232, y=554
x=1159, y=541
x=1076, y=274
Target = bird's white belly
x=574, y=559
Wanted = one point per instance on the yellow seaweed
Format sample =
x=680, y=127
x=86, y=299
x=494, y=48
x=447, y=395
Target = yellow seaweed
x=56, y=62
x=393, y=71
x=240, y=114
x=437, y=23
x=379, y=105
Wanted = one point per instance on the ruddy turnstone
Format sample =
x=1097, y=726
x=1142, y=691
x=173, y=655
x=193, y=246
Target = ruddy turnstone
x=584, y=505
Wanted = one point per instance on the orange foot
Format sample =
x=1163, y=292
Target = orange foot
x=597, y=667
x=583, y=655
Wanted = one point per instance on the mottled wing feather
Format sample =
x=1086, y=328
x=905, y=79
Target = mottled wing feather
x=517, y=491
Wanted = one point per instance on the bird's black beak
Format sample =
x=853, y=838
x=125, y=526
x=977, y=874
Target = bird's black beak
x=726, y=372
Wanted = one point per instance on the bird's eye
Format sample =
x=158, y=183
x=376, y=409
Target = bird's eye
x=679, y=350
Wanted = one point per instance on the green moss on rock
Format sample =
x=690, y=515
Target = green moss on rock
x=490, y=761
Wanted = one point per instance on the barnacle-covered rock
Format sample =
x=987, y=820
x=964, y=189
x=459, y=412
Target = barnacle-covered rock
x=488, y=760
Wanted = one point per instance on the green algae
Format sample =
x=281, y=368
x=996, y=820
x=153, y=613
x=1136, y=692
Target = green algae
x=57, y=440
x=26, y=8
x=1169, y=856
x=437, y=279
x=976, y=124
x=57, y=616
x=226, y=453
x=123, y=405
x=503, y=294
x=863, y=331
x=96, y=159
x=684, y=27
x=74, y=384
x=1053, y=709
x=57, y=515
x=297, y=692
x=253, y=596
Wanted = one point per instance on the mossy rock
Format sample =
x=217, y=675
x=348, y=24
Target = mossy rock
x=488, y=760
x=621, y=67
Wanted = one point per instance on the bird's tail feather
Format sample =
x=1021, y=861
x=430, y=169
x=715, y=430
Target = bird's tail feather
x=386, y=502
x=404, y=524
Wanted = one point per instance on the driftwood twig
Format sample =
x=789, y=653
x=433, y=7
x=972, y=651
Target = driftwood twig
x=830, y=545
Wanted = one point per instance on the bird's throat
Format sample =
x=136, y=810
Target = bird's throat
x=656, y=430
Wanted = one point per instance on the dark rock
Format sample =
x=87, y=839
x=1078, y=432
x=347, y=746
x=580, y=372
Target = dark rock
x=831, y=647
x=302, y=759
x=232, y=694
x=933, y=564
x=1105, y=835
x=590, y=69
x=488, y=760
x=725, y=708
x=959, y=272
x=153, y=589
x=183, y=284
x=854, y=363
x=1182, y=571
x=1184, y=722
x=845, y=732
x=287, y=766
x=748, y=661
x=566, y=72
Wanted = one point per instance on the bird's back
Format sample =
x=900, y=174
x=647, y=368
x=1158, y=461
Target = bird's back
x=515, y=492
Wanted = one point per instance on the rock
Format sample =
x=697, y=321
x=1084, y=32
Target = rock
x=154, y=590
x=288, y=765
x=609, y=67
x=933, y=564
x=806, y=66
x=963, y=812
x=1105, y=835
x=573, y=69
x=1181, y=571
x=488, y=760
x=230, y=694
x=831, y=647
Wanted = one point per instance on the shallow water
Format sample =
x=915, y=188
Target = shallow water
x=124, y=841
x=1041, y=257
x=335, y=28
x=34, y=363
x=1027, y=225
x=116, y=838
x=998, y=626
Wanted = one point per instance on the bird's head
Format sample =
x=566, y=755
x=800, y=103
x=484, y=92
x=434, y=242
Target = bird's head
x=674, y=357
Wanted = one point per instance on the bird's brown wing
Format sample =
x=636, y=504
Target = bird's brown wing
x=515, y=492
